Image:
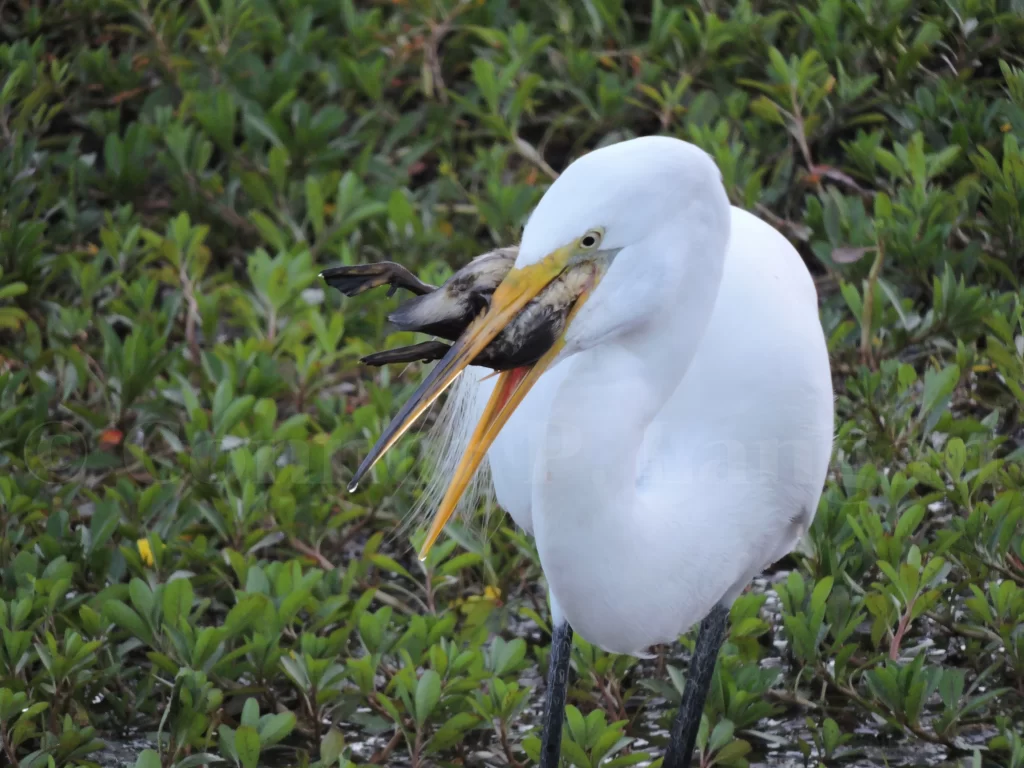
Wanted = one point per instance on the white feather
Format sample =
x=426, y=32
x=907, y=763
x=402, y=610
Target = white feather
x=650, y=461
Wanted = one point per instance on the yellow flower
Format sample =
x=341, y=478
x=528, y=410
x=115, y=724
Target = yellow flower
x=492, y=593
x=145, y=552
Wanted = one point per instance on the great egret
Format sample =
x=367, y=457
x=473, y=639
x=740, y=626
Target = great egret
x=672, y=437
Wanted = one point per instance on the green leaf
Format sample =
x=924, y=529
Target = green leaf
x=721, y=735
x=227, y=742
x=127, y=619
x=148, y=758
x=956, y=457
x=732, y=751
x=821, y=592
x=487, y=81
x=331, y=746
x=428, y=692
x=389, y=564
x=270, y=232
x=274, y=728
x=247, y=745
x=234, y=413
x=245, y=612
x=314, y=204
x=251, y=713
x=177, y=601
x=577, y=725
x=142, y=597
x=938, y=386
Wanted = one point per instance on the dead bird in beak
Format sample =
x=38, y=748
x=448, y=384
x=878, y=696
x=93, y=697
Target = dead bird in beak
x=447, y=311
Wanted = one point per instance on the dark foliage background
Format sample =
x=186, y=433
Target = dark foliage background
x=181, y=403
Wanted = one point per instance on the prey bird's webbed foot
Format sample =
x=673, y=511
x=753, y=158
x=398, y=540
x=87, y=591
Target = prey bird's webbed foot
x=360, y=278
x=429, y=352
x=425, y=352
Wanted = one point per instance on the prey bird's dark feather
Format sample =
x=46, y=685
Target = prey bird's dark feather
x=448, y=311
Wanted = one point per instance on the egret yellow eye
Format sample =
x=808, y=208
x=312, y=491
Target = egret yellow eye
x=591, y=240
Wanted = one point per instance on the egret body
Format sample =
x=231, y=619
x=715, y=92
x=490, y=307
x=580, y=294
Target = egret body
x=672, y=437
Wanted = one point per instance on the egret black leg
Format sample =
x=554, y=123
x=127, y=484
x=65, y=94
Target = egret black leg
x=698, y=681
x=554, y=705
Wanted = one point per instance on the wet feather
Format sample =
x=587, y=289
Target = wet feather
x=447, y=311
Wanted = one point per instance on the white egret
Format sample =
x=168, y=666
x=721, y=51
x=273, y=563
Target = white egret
x=672, y=438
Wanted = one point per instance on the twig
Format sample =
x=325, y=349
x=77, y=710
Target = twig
x=465, y=208
x=794, y=699
x=8, y=749
x=191, y=315
x=503, y=736
x=433, y=61
x=799, y=231
x=901, y=630
x=383, y=754
x=527, y=150
x=798, y=120
x=393, y=601
x=310, y=552
x=616, y=709
x=1013, y=576
x=417, y=747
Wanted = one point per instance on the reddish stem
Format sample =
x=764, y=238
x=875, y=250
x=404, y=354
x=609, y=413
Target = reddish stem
x=901, y=629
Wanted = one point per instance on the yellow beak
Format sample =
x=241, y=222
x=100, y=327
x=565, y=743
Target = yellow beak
x=518, y=288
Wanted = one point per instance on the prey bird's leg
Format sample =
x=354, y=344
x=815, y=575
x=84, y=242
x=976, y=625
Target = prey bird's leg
x=558, y=684
x=698, y=681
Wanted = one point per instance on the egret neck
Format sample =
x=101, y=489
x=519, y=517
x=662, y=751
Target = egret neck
x=585, y=489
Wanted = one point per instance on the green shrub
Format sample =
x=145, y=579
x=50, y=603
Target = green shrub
x=181, y=403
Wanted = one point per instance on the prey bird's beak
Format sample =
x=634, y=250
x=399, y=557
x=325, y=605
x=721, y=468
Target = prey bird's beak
x=518, y=288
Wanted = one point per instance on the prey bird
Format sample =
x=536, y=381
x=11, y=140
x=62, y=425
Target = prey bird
x=661, y=419
x=447, y=311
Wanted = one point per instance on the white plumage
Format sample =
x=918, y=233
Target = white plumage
x=680, y=442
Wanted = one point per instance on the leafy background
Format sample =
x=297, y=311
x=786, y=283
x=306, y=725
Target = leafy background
x=181, y=403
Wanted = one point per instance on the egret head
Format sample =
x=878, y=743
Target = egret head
x=652, y=217
x=614, y=239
